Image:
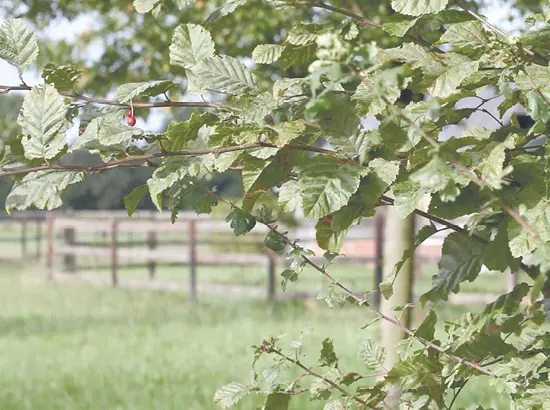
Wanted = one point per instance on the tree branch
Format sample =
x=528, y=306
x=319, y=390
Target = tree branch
x=128, y=161
x=4, y=89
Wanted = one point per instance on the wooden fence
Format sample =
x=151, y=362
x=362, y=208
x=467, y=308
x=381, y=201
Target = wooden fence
x=149, y=240
x=25, y=233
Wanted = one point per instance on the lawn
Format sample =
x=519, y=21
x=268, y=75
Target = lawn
x=77, y=347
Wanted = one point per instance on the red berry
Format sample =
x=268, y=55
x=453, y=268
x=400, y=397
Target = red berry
x=130, y=113
x=131, y=121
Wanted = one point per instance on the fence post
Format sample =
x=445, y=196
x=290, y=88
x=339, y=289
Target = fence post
x=113, y=246
x=69, y=259
x=38, y=239
x=271, y=278
x=379, y=252
x=152, y=244
x=512, y=281
x=50, y=240
x=193, y=260
x=23, y=238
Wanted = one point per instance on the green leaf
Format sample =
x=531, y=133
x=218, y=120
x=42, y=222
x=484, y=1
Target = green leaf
x=127, y=92
x=286, y=132
x=393, y=136
x=538, y=218
x=303, y=34
x=408, y=52
x=374, y=100
x=328, y=357
x=179, y=134
x=297, y=55
x=327, y=184
x=537, y=107
x=62, y=77
x=508, y=303
x=191, y=44
x=470, y=33
x=334, y=405
x=447, y=83
x=277, y=401
x=426, y=329
x=397, y=25
x=240, y=221
x=164, y=177
x=339, y=121
x=469, y=201
x=387, y=171
x=477, y=132
x=462, y=259
x=260, y=106
x=226, y=74
x=418, y=372
x=230, y=394
x=407, y=197
x=434, y=176
x=497, y=254
x=131, y=200
x=43, y=121
x=144, y=6
x=275, y=241
x=372, y=354
x=534, y=77
x=107, y=131
x=386, y=287
x=537, y=288
x=492, y=168
x=267, y=53
x=290, y=196
x=18, y=45
x=42, y=189
x=228, y=7
x=259, y=175
x=418, y=7
x=327, y=238
x=181, y=4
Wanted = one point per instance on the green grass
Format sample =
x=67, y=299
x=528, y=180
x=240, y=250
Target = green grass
x=77, y=347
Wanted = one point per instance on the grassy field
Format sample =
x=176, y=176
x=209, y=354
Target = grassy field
x=77, y=347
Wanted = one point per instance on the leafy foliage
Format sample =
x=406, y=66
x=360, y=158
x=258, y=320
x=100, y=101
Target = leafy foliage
x=290, y=119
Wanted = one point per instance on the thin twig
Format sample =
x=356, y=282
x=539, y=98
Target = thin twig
x=360, y=300
x=493, y=28
x=362, y=20
x=318, y=376
x=455, y=396
x=481, y=19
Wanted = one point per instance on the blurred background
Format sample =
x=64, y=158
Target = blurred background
x=144, y=314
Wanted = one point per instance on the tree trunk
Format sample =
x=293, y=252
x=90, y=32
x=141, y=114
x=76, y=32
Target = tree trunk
x=398, y=236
